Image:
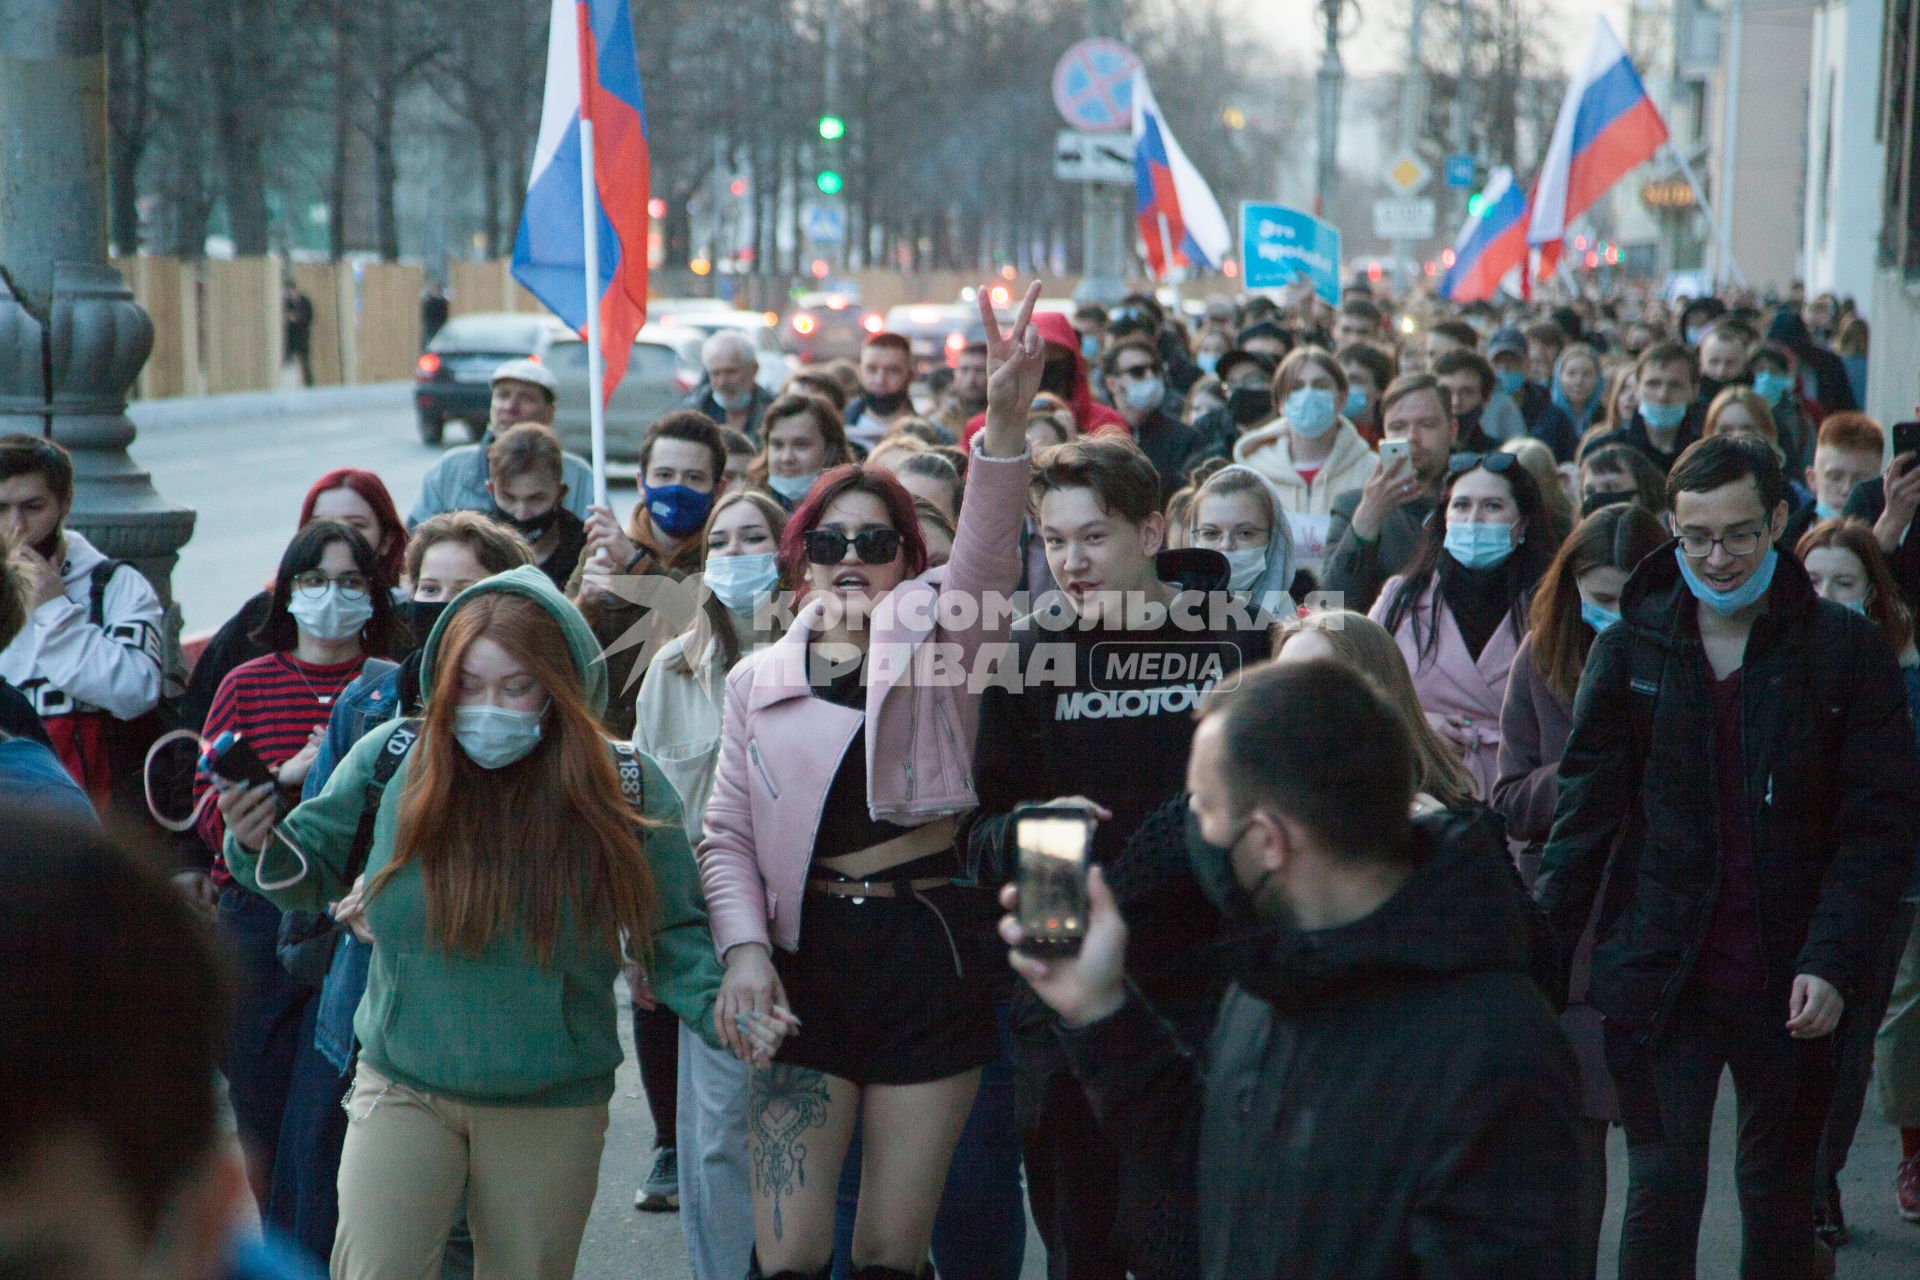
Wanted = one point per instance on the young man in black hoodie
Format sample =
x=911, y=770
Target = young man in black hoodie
x=1384, y=1093
x=1111, y=671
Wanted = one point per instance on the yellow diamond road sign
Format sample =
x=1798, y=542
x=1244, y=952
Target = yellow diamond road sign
x=1407, y=173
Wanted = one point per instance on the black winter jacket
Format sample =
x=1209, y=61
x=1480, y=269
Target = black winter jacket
x=1387, y=1099
x=1832, y=785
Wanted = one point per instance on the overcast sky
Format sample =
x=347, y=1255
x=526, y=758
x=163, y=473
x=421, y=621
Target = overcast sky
x=1380, y=41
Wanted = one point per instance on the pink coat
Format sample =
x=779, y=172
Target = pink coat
x=1451, y=684
x=780, y=747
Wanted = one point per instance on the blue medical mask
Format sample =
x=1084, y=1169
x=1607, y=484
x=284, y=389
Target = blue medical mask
x=1730, y=602
x=1596, y=617
x=1310, y=412
x=495, y=737
x=1356, y=403
x=1208, y=361
x=1663, y=417
x=1771, y=386
x=1090, y=345
x=1510, y=381
x=1144, y=394
x=331, y=615
x=739, y=582
x=792, y=488
x=675, y=509
x=1858, y=606
x=1826, y=512
x=1479, y=545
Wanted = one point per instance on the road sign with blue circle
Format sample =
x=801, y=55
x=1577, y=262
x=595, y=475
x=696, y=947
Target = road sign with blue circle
x=1093, y=85
x=1460, y=171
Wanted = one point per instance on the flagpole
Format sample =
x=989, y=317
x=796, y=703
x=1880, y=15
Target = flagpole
x=590, y=221
x=1719, y=232
x=1166, y=259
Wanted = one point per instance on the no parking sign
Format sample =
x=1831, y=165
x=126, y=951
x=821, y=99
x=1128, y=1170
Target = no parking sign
x=1093, y=86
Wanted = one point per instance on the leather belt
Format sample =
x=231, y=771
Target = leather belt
x=862, y=889
x=888, y=854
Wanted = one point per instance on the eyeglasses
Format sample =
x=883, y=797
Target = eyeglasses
x=313, y=584
x=873, y=546
x=1492, y=463
x=1698, y=546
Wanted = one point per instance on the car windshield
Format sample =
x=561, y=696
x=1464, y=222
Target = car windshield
x=503, y=334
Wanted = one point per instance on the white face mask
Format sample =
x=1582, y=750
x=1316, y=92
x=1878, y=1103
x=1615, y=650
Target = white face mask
x=1247, y=564
x=495, y=737
x=331, y=615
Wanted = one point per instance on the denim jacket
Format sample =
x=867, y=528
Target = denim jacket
x=370, y=701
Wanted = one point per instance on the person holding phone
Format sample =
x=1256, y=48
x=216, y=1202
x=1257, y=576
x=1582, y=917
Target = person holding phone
x=1374, y=530
x=843, y=766
x=1098, y=720
x=1384, y=1093
x=1888, y=503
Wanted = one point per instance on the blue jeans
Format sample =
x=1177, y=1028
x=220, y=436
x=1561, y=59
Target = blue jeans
x=305, y=1204
x=259, y=1054
x=980, y=1232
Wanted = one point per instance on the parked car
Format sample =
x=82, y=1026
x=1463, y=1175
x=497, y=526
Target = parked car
x=829, y=325
x=452, y=379
x=761, y=329
x=657, y=379
x=936, y=331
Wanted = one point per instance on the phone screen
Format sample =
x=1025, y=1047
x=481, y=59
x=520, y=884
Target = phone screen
x=1053, y=878
x=1906, y=437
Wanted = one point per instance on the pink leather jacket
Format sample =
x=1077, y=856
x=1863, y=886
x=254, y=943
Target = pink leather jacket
x=780, y=747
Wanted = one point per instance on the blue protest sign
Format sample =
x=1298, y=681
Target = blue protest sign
x=1278, y=244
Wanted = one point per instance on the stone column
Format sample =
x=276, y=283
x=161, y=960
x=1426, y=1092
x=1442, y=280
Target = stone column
x=72, y=339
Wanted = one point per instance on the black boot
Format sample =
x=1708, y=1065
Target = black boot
x=755, y=1273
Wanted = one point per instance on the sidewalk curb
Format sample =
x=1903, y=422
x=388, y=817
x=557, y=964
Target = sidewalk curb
x=245, y=406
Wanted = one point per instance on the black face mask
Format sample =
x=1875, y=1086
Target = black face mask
x=1213, y=868
x=533, y=529
x=48, y=547
x=1469, y=422
x=1601, y=501
x=1057, y=377
x=421, y=615
x=888, y=405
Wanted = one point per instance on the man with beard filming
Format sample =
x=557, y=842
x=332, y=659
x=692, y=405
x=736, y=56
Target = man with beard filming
x=1384, y=1093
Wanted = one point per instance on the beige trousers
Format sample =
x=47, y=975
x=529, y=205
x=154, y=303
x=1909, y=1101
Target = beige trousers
x=529, y=1175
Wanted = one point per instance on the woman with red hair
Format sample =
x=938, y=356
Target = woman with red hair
x=357, y=499
x=846, y=755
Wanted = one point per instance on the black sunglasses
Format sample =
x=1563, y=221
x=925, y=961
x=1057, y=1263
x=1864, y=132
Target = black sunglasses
x=1494, y=463
x=873, y=546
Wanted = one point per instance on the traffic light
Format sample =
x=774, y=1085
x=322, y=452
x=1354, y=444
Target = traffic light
x=832, y=128
x=1476, y=204
x=829, y=181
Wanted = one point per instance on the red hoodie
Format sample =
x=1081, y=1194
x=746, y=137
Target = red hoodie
x=1056, y=330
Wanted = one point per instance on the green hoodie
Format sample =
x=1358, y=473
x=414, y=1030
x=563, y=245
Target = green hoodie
x=493, y=1028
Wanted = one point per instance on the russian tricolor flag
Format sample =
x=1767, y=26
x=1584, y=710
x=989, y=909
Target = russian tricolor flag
x=1167, y=186
x=1490, y=245
x=593, y=76
x=1608, y=126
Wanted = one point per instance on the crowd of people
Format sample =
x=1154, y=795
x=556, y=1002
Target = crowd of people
x=1494, y=722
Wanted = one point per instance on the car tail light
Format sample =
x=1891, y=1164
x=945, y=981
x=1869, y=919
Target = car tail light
x=683, y=383
x=872, y=322
x=955, y=341
x=427, y=366
x=804, y=324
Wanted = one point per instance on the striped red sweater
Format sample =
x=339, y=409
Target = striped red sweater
x=272, y=702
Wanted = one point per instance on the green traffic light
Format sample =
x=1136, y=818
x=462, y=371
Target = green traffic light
x=1476, y=204
x=829, y=182
x=832, y=128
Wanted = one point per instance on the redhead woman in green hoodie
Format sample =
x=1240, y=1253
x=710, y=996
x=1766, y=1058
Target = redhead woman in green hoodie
x=505, y=872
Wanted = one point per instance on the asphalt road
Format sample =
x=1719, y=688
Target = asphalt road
x=246, y=479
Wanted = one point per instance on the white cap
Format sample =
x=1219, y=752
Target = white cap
x=525, y=370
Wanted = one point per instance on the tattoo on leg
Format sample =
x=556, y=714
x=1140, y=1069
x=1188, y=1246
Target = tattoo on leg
x=784, y=1102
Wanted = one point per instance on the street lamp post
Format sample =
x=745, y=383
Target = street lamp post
x=1104, y=205
x=72, y=338
x=1327, y=173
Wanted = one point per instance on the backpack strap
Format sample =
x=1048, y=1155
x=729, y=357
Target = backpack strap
x=97, y=579
x=385, y=766
x=626, y=761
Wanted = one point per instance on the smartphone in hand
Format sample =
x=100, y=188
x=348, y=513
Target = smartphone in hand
x=1055, y=844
